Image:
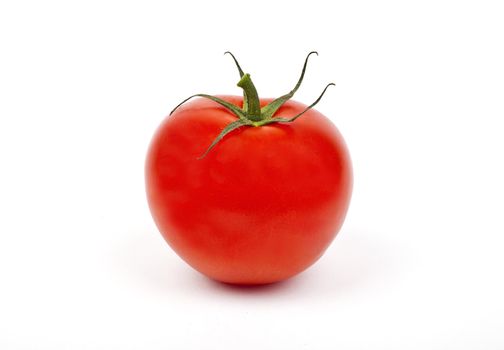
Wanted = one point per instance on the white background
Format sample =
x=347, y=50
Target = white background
x=419, y=99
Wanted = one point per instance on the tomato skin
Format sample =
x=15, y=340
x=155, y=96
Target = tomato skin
x=262, y=205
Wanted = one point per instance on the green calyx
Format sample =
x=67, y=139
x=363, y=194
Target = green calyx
x=252, y=114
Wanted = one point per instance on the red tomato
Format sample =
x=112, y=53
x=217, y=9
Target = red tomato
x=262, y=205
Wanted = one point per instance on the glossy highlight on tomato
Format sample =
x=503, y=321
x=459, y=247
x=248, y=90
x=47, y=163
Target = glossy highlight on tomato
x=263, y=203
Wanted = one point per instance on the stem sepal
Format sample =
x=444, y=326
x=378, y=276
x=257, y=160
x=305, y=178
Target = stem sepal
x=252, y=114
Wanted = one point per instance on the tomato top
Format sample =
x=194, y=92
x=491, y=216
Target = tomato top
x=253, y=113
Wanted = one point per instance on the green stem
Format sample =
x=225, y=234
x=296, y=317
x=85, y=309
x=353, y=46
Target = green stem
x=251, y=115
x=253, y=107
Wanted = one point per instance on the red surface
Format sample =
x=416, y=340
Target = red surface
x=265, y=202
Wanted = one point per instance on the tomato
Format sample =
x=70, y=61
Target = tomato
x=262, y=204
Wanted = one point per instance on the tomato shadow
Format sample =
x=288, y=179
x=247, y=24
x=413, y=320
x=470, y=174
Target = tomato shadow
x=254, y=289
